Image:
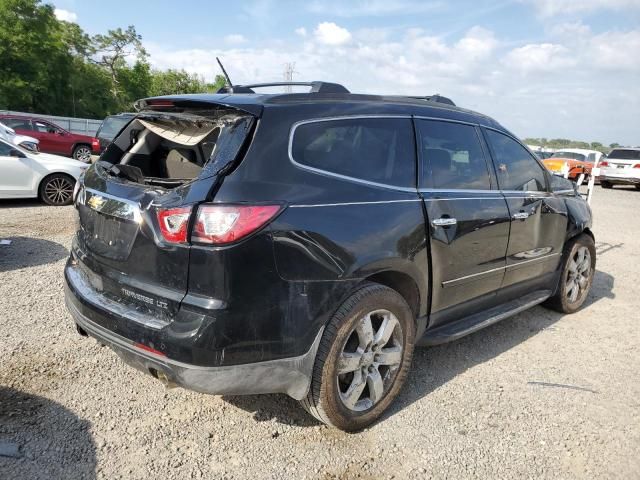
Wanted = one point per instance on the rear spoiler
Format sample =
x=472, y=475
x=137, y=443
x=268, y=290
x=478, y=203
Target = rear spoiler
x=177, y=103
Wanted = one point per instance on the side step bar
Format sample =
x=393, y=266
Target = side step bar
x=458, y=329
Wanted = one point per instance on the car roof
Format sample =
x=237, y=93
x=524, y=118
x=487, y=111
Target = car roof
x=577, y=150
x=626, y=148
x=351, y=103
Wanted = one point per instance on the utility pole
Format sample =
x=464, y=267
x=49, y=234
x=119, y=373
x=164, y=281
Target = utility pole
x=289, y=70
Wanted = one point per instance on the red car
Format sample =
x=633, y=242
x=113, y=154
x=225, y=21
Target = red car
x=53, y=138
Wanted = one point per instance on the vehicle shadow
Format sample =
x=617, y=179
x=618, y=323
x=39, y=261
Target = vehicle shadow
x=435, y=366
x=40, y=438
x=24, y=252
x=21, y=203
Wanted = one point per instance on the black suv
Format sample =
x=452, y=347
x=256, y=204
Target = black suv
x=303, y=243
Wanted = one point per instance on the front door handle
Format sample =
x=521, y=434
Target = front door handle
x=443, y=222
x=520, y=216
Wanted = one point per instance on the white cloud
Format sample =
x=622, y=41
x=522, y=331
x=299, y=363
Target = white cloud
x=375, y=8
x=549, y=8
x=65, y=15
x=301, y=31
x=235, y=39
x=541, y=57
x=329, y=33
x=591, y=77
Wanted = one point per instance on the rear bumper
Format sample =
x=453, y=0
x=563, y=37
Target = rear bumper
x=619, y=180
x=287, y=375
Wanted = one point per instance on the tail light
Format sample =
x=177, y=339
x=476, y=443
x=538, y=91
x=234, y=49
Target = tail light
x=174, y=223
x=95, y=144
x=603, y=164
x=637, y=165
x=220, y=224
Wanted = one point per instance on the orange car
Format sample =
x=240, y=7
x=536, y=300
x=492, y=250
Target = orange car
x=572, y=161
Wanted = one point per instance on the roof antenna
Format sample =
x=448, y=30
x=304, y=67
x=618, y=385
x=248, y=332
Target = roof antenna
x=229, y=84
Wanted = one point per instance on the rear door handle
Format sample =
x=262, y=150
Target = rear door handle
x=520, y=216
x=443, y=222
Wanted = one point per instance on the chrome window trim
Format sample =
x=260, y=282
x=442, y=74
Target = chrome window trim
x=355, y=203
x=450, y=283
x=337, y=175
x=439, y=119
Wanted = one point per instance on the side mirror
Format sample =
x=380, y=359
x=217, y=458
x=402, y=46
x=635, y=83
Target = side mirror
x=60, y=132
x=16, y=153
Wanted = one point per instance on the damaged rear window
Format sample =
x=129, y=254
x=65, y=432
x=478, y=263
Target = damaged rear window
x=169, y=149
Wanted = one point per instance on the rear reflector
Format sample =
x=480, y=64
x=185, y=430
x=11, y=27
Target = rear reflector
x=173, y=224
x=149, y=349
x=220, y=224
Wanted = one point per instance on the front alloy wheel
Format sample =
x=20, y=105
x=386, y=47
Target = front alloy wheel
x=576, y=275
x=363, y=358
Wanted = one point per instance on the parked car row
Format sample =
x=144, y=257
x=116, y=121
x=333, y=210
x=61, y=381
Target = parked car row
x=10, y=135
x=53, y=138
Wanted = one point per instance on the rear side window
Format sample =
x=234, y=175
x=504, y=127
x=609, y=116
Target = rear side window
x=452, y=156
x=379, y=150
x=17, y=123
x=516, y=168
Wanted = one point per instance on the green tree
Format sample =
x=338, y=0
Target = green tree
x=112, y=52
x=35, y=61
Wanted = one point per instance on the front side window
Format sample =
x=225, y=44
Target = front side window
x=452, y=156
x=516, y=168
x=45, y=127
x=379, y=150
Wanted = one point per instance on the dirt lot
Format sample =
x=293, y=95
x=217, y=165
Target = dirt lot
x=540, y=395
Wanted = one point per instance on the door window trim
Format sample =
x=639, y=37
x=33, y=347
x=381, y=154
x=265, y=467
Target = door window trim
x=537, y=160
x=485, y=153
x=337, y=175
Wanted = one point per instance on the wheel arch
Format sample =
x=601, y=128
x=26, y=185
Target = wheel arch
x=402, y=283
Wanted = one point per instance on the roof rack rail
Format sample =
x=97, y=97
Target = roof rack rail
x=316, y=87
x=436, y=98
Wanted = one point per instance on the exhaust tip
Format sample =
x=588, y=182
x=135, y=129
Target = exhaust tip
x=164, y=379
x=81, y=331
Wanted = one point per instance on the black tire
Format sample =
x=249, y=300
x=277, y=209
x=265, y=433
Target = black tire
x=605, y=184
x=57, y=189
x=572, y=277
x=325, y=400
x=82, y=153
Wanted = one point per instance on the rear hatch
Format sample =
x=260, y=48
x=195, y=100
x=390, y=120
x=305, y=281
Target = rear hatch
x=622, y=162
x=134, y=204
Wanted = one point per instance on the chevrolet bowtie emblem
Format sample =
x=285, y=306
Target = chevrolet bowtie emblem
x=96, y=201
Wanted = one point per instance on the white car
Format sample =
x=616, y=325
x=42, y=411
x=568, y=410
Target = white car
x=10, y=135
x=25, y=174
x=621, y=167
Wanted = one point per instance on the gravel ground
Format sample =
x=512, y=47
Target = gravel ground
x=540, y=395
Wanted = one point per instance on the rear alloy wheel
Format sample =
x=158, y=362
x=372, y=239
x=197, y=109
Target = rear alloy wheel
x=57, y=189
x=363, y=359
x=606, y=184
x=576, y=277
x=82, y=153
